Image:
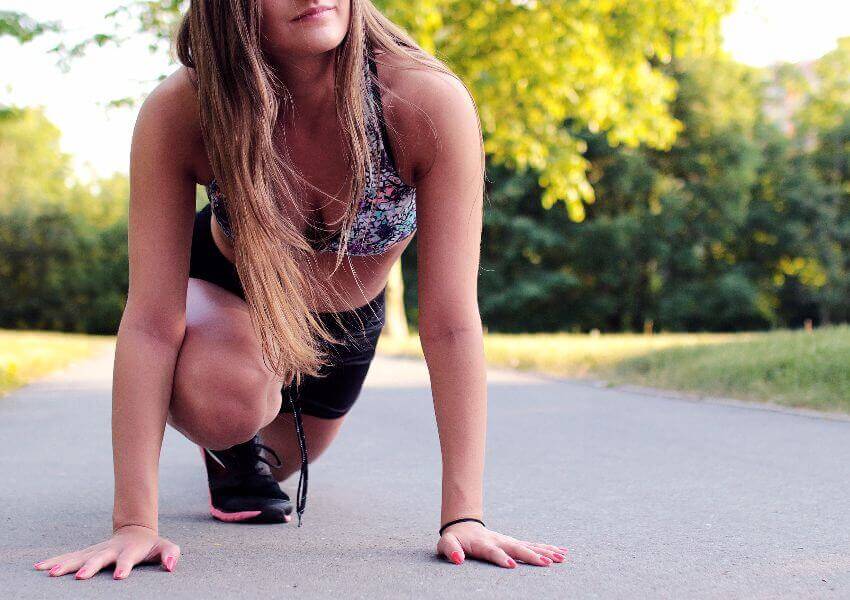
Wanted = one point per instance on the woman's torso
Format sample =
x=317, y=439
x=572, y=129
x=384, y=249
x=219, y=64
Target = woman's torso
x=379, y=241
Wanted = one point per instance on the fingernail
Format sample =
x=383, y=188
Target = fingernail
x=564, y=549
x=54, y=570
x=80, y=574
x=511, y=563
x=118, y=574
x=456, y=558
x=546, y=560
x=38, y=564
x=559, y=557
x=169, y=563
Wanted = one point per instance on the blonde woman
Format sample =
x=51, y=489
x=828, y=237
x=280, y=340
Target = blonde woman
x=325, y=138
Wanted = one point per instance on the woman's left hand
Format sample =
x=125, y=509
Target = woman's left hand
x=474, y=540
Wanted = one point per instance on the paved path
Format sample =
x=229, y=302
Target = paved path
x=657, y=498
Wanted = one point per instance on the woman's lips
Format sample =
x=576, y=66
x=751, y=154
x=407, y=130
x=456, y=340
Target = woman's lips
x=317, y=12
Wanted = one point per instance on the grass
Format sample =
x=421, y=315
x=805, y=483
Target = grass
x=792, y=368
x=27, y=355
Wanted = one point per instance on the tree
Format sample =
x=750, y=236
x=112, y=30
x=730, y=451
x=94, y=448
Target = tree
x=23, y=28
x=32, y=167
x=588, y=65
x=541, y=72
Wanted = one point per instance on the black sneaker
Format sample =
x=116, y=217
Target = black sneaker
x=242, y=489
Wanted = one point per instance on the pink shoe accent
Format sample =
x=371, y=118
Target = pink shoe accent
x=233, y=517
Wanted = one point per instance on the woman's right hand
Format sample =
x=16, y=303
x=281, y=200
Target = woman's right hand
x=129, y=545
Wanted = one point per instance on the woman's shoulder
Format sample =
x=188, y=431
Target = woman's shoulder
x=170, y=112
x=421, y=105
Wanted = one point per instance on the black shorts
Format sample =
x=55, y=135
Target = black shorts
x=331, y=394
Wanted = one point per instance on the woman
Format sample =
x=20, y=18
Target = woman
x=275, y=290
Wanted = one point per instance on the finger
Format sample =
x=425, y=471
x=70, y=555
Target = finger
x=48, y=564
x=71, y=563
x=547, y=550
x=496, y=555
x=169, y=555
x=558, y=549
x=527, y=555
x=94, y=564
x=451, y=548
x=129, y=558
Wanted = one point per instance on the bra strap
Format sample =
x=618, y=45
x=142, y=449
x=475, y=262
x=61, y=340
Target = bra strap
x=379, y=106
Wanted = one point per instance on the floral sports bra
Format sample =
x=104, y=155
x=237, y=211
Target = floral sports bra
x=386, y=213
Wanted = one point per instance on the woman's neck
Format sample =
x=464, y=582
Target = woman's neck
x=309, y=81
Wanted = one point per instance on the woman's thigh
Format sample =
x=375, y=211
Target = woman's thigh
x=222, y=393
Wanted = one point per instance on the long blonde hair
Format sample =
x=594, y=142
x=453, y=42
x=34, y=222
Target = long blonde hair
x=240, y=100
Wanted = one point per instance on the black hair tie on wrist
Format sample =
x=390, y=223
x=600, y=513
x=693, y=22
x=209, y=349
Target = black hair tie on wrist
x=450, y=523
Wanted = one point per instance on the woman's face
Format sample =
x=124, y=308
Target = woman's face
x=289, y=32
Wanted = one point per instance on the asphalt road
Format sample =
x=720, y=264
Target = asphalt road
x=655, y=497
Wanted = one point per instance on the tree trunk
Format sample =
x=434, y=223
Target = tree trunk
x=396, y=325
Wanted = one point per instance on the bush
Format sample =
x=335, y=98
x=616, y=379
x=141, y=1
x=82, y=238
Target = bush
x=61, y=271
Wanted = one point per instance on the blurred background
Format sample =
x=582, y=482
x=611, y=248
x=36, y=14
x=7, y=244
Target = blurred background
x=668, y=195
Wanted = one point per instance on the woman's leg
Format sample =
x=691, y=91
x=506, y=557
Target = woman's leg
x=280, y=435
x=223, y=393
x=326, y=399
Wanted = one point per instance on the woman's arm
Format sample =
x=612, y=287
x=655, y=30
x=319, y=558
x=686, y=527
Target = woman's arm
x=449, y=216
x=162, y=201
x=161, y=215
x=449, y=212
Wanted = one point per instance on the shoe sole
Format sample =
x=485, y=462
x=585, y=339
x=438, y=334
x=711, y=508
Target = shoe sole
x=265, y=517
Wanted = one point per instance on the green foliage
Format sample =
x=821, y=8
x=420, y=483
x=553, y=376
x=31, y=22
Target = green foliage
x=735, y=227
x=23, y=28
x=797, y=368
x=63, y=246
x=565, y=65
x=541, y=70
x=61, y=272
x=707, y=214
x=32, y=168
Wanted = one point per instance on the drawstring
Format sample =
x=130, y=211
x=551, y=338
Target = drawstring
x=301, y=494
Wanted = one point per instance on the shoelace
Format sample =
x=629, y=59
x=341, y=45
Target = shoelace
x=301, y=494
x=255, y=455
x=271, y=451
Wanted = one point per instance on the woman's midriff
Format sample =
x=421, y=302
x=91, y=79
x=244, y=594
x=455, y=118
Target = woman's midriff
x=359, y=279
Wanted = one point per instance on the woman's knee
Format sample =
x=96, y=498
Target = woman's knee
x=222, y=403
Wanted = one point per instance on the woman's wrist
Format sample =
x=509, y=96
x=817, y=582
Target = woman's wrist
x=138, y=518
x=118, y=527
x=448, y=524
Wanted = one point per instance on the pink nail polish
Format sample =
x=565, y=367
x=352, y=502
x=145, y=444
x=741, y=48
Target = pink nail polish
x=54, y=570
x=456, y=558
x=559, y=556
x=80, y=574
x=38, y=564
x=511, y=563
x=169, y=563
x=118, y=574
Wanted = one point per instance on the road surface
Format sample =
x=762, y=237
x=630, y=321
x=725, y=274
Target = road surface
x=655, y=497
